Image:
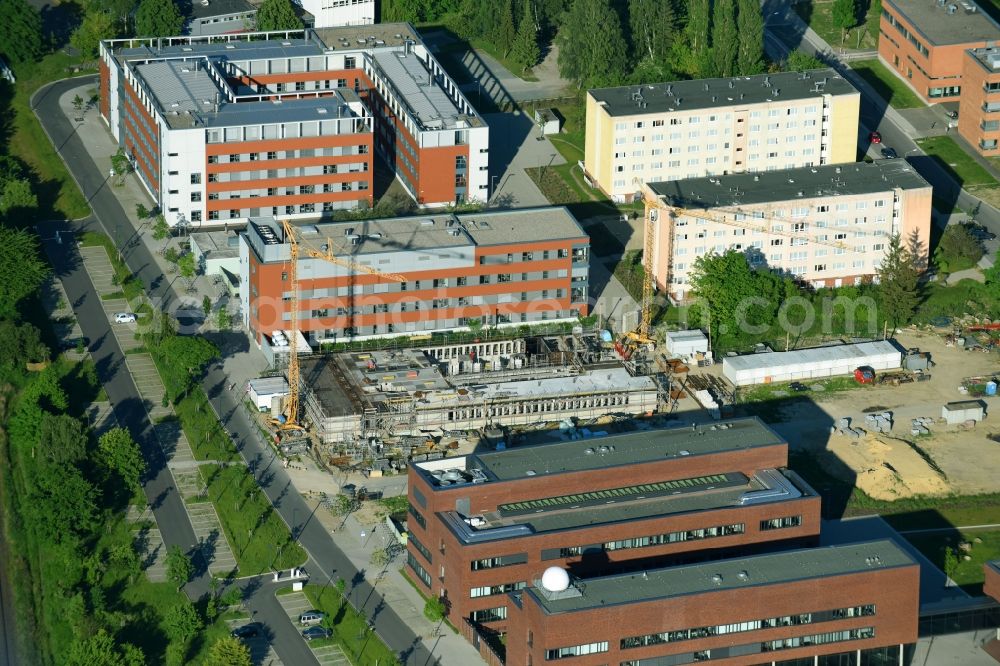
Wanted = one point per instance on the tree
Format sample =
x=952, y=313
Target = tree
x=503, y=30
x=653, y=26
x=229, y=651
x=158, y=18
x=525, y=51
x=63, y=440
x=21, y=39
x=160, y=228
x=845, y=16
x=179, y=567
x=77, y=103
x=435, y=609
x=898, y=284
x=22, y=271
x=232, y=596
x=222, y=319
x=206, y=305
x=122, y=457
x=738, y=298
x=186, y=266
x=96, y=26
x=797, y=61
x=957, y=249
x=725, y=43
x=277, y=15
x=142, y=212
x=97, y=649
x=698, y=30
x=750, y=23
x=591, y=45
x=22, y=343
x=17, y=198
x=172, y=255
x=182, y=622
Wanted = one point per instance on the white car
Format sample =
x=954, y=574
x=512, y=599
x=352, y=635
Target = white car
x=124, y=318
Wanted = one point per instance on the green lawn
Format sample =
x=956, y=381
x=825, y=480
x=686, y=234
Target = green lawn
x=206, y=435
x=819, y=16
x=350, y=628
x=489, y=47
x=968, y=574
x=58, y=195
x=259, y=538
x=889, y=86
x=955, y=160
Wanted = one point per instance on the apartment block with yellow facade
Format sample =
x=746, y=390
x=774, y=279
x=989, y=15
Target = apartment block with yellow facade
x=709, y=127
x=825, y=225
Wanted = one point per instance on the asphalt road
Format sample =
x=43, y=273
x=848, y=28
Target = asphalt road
x=327, y=561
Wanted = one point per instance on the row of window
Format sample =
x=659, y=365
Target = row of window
x=676, y=537
x=421, y=548
x=501, y=561
x=543, y=255
x=493, y=590
x=894, y=22
x=333, y=151
x=576, y=650
x=751, y=625
x=694, y=120
x=418, y=569
x=780, y=523
x=292, y=130
x=489, y=614
x=235, y=213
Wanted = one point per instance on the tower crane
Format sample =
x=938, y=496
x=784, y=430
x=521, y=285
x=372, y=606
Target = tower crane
x=326, y=254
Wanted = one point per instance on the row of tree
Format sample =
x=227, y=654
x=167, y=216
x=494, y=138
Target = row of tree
x=743, y=302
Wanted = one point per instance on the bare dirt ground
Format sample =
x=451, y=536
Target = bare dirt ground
x=968, y=460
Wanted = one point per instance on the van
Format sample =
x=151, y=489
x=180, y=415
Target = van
x=310, y=618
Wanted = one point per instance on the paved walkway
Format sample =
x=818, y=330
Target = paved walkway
x=296, y=603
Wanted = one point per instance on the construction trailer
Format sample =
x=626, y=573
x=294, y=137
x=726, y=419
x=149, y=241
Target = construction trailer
x=686, y=344
x=266, y=393
x=963, y=411
x=816, y=363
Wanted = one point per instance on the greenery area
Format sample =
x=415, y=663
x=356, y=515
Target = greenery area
x=889, y=86
x=259, y=538
x=943, y=549
x=956, y=161
x=957, y=249
x=350, y=628
x=828, y=18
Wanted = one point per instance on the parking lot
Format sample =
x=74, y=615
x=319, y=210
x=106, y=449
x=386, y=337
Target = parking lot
x=328, y=653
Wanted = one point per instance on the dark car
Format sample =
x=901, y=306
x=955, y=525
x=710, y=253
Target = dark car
x=251, y=630
x=798, y=387
x=314, y=633
x=889, y=153
x=952, y=114
x=979, y=232
x=875, y=137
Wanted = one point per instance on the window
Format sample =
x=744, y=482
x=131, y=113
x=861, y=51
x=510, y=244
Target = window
x=781, y=523
x=196, y=179
x=492, y=590
x=576, y=650
x=196, y=196
x=489, y=614
x=418, y=569
x=501, y=561
x=416, y=515
x=234, y=158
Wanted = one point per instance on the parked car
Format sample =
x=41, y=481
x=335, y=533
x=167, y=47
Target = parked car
x=313, y=633
x=875, y=137
x=953, y=114
x=124, y=318
x=979, y=232
x=798, y=387
x=889, y=153
x=311, y=617
x=251, y=630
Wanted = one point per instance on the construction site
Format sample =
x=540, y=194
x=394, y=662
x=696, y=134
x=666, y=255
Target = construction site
x=365, y=404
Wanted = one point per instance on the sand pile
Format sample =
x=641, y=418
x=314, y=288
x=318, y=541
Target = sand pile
x=885, y=468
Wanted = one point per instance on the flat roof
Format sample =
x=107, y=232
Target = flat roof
x=933, y=20
x=828, y=180
x=629, y=449
x=230, y=47
x=379, y=35
x=962, y=405
x=714, y=93
x=438, y=231
x=208, y=8
x=731, y=574
x=431, y=106
x=737, y=490
x=617, y=380
x=859, y=351
x=217, y=244
x=269, y=385
x=186, y=91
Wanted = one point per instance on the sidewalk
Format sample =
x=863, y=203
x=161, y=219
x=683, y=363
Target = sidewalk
x=450, y=648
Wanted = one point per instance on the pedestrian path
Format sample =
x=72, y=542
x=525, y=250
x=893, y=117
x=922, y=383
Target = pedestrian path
x=261, y=652
x=148, y=543
x=328, y=654
x=211, y=538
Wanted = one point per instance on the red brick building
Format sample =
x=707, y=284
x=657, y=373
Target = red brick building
x=484, y=527
x=494, y=268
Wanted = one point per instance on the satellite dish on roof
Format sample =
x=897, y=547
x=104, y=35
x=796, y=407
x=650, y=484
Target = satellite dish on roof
x=555, y=579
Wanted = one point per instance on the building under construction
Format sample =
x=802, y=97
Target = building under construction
x=364, y=396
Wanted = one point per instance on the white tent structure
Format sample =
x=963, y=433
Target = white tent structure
x=810, y=363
